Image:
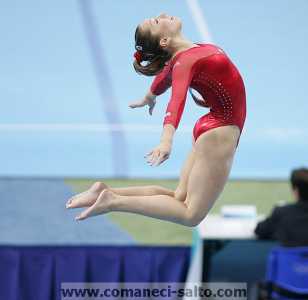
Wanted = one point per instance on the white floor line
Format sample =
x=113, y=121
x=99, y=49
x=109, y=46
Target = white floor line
x=86, y=127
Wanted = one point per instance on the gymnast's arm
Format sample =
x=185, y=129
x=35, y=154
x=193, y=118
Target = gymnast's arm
x=161, y=82
x=159, y=85
x=181, y=78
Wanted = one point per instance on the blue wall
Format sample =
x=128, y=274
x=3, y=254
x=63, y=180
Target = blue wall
x=51, y=82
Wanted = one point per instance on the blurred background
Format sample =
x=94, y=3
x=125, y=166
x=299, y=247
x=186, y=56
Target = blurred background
x=67, y=80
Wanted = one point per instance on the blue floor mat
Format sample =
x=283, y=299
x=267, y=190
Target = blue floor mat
x=32, y=211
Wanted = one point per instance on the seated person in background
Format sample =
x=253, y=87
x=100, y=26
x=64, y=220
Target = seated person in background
x=289, y=224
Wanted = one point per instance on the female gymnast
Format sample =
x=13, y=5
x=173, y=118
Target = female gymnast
x=183, y=65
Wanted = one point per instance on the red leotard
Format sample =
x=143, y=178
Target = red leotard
x=208, y=70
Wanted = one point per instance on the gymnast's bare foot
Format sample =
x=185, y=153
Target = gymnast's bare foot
x=88, y=197
x=102, y=205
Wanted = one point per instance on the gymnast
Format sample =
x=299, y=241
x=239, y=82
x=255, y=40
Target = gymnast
x=163, y=51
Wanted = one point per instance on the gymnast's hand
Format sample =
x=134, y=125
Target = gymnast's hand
x=149, y=99
x=159, y=154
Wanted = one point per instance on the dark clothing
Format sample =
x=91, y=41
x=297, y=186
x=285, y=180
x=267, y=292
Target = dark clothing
x=287, y=224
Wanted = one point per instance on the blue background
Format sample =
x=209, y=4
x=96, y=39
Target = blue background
x=66, y=80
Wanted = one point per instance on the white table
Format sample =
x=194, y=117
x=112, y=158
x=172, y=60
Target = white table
x=224, y=228
x=213, y=233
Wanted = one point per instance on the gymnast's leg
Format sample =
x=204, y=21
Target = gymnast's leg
x=213, y=157
x=88, y=197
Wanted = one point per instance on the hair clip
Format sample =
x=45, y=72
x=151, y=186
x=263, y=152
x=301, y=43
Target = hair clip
x=138, y=56
x=139, y=48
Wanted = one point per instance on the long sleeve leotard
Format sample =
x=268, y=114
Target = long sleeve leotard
x=207, y=69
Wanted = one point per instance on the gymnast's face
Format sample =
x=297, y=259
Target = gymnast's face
x=162, y=26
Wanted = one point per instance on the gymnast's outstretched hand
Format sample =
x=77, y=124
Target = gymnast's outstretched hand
x=159, y=154
x=149, y=99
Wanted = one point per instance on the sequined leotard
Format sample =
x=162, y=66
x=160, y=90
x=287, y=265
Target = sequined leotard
x=207, y=69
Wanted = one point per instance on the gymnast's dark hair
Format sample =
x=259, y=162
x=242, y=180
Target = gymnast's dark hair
x=299, y=180
x=150, y=51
